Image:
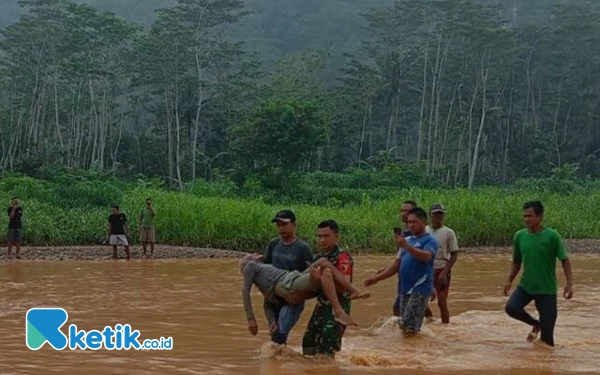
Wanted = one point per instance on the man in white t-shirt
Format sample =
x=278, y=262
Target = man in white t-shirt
x=445, y=259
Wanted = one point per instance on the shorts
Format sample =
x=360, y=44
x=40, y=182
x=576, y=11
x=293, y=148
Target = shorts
x=15, y=234
x=439, y=288
x=118, y=240
x=294, y=283
x=147, y=235
x=412, y=311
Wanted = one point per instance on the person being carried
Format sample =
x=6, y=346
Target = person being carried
x=277, y=285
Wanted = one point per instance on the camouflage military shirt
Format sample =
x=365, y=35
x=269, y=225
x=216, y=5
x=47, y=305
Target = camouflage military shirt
x=323, y=334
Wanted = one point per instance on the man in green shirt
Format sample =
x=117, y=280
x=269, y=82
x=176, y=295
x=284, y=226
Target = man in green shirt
x=146, y=225
x=537, y=248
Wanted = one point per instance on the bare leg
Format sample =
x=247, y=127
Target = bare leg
x=114, y=252
x=18, y=246
x=127, y=252
x=9, y=254
x=151, y=249
x=328, y=286
x=428, y=313
x=144, y=246
x=443, y=305
x=340, y=279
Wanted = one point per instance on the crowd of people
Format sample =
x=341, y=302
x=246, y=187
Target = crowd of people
x=117, y=231
x=288, y=273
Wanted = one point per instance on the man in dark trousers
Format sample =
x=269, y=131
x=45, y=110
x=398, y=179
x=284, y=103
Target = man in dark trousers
x=15, y=227
x=537, y=248
x=323, y=334
x=286, y=252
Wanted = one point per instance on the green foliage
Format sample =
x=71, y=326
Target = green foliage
x=55, y=213
x=278, y=139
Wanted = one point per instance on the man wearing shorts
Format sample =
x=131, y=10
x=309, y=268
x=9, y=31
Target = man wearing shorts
x=15, y=227
x=118, y=231
x=414, y=263
x=445, y=258
x=146, y=225
x=323, y=334
x=293, y=287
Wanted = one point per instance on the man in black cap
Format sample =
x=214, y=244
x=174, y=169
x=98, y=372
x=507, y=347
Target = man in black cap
x=289, y=253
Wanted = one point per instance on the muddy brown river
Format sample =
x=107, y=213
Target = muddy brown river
x=198, y=304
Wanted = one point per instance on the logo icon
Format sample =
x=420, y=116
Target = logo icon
x=43, y=325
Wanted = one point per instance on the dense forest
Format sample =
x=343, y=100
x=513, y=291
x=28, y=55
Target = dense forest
x=464, y=92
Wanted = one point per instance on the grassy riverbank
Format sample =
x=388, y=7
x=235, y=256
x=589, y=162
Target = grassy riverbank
x=74, y=212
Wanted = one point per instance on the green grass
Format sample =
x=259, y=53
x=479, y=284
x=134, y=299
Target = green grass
x=76, y=212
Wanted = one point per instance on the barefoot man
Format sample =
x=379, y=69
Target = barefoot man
x=414, y=264
x=118, y=231
x=15, y=227
x=537, y=248
x=293, y=286
x=445, y=258
x=146, y=225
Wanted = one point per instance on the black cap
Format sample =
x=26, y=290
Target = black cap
x=437, y=208
x=284, y=216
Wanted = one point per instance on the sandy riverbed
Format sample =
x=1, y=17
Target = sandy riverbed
x=58, y=253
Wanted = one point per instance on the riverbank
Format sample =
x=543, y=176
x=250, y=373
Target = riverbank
x=98, y=253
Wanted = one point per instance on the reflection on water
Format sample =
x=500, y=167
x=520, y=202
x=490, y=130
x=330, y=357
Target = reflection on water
x=198, y=303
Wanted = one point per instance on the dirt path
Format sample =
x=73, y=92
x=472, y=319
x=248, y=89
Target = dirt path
x=58, y=253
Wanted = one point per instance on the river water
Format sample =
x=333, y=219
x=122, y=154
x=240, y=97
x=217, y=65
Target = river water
x=198, y=304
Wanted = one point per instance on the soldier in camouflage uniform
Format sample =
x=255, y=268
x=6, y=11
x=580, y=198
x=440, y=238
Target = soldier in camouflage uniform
x=323, y=334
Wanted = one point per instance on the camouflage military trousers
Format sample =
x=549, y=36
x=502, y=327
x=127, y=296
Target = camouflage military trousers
x=323, y=334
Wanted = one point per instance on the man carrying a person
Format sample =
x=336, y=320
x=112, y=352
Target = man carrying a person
x=445, y=258
x=15, y=227
x=323, y=334
x=293, y=286
x=414, y=263
x=536, y=248
x=146, y=225
x=289, y=253
x=118, y=231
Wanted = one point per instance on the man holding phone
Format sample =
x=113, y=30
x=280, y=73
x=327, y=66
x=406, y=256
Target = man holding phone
x=414, y=265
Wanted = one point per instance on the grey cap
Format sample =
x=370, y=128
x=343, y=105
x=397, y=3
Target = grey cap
x=437, y=208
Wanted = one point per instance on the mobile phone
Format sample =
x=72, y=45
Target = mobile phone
x=398, y=231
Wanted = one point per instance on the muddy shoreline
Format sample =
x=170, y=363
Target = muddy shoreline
x=100, y=253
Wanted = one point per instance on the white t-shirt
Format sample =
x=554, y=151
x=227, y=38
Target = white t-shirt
x=447, y=242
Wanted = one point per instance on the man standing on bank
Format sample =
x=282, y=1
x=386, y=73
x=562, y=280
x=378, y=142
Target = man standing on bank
x=323, y=334
x=286, y=252
x=118, y=231
x=445, y=258
x=537, y=248
x=414, y=263
x=15, y=227
x=146, y=225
